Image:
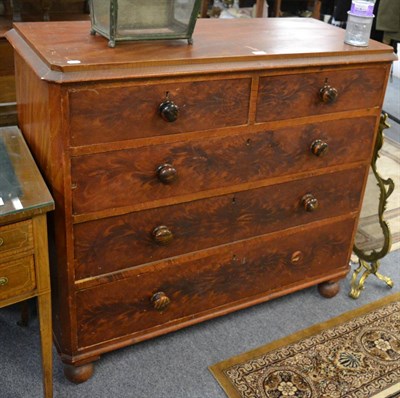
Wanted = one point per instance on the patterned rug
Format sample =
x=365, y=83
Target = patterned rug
x=356, y=355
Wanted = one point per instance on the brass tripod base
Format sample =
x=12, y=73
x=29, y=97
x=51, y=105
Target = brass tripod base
x=369, y=268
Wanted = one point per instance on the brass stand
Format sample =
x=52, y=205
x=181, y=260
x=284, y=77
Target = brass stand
x=369, y=262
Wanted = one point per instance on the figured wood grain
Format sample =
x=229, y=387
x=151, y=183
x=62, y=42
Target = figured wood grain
x=117, y=243
x=121, y=178
x=82, y=160
x=242, y=270
x=133, y=111
x=296, y=95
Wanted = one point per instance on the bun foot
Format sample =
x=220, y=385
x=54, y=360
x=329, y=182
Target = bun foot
x=78, y=374
x=329, y=289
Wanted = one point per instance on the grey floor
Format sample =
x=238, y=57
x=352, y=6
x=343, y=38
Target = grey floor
x=176, y=365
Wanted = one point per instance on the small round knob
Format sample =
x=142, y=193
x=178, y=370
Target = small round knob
x=169, y=111
x=160, y=301
x=3, y=280
x=162, y=235
x=328, y=94
x=1, y=241
x=319, y=148
x=309, y=202
x=166, y=173
x=297, y=257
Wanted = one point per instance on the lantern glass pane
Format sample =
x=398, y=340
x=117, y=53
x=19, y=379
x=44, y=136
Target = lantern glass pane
x=156, y=17
x=101, y=15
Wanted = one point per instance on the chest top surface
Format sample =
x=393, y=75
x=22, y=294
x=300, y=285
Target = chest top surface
x=68, y=52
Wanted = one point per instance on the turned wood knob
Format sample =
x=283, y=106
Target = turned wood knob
x=297, y=257
x=169, y=110
x=166, y=173
x=160, y=301
x=328, y=94
x=309, y=202
x=1, y=241
x=162, y=235
x=3, y=280
x=319, y=148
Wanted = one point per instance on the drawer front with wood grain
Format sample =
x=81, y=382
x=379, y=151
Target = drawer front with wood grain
x=233, y=273
x=116, y=243
x=307, y=94
x=15, y=238
x=17, y=277
x=139, y=175
x=107, y=114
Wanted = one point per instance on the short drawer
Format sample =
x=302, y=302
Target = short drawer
x=116, y=243
x=298, y=95
x=194, y=287
x=15, y=238
x=17, y=277
x=115, y=113
x=128, y=177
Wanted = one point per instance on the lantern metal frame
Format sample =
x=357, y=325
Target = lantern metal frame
x=112, y=35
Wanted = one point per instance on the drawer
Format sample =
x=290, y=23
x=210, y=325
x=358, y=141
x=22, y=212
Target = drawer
x=128, y=177
x=298, y=95
x=116, y=243
x=17, y=277
x=115, y=113
x=194, y=286
x=15, y=238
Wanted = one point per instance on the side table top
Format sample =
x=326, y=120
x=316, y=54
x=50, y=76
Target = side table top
x=23, y=192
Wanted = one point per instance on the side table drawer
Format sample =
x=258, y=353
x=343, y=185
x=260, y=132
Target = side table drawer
x=298, y=95
x=15, y=238
x=17, y=277
x=116, y=113
x=193, y=286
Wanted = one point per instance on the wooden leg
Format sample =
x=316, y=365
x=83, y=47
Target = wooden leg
x=78, y=374
x=329, y=289
x=23, y=322
x=44, y=307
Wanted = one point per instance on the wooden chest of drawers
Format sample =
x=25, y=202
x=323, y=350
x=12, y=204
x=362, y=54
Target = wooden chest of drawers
x=249, y=186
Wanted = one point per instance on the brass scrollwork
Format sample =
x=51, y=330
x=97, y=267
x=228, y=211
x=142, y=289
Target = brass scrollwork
x=369, y=262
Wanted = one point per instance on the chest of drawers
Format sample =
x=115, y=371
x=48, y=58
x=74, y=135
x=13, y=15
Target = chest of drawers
x=192, y=181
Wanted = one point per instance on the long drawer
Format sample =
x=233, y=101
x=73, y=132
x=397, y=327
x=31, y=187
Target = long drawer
x=116, y=243
x=298, y=95
x=193, y=286
x=127, y=177
x=126, y=112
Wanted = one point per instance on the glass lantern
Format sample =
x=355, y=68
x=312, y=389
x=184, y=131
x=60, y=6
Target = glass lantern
x=120, y=20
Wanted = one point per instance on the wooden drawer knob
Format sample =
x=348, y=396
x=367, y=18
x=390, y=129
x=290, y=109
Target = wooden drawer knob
x=162, y=235
x=3, y=280
x=319, y=148
x=168, y=110
x=309, y=202
x=166, y=173
x=328, y=94
x=160, y=301
x=1, y=241
x=297, y=257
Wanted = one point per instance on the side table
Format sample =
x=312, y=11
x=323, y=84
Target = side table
x=24, y=264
